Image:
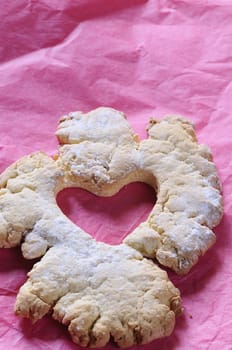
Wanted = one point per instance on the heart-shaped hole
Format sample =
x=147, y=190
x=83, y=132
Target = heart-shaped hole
x=108, y=219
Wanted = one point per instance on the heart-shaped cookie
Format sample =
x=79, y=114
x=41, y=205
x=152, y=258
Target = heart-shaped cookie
x=101, y=291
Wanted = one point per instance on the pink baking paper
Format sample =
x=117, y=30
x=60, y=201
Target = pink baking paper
x=146, y=58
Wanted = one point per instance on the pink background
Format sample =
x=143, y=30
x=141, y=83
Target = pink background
x=146, y=58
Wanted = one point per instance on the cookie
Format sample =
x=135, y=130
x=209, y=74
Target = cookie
x=100, y=291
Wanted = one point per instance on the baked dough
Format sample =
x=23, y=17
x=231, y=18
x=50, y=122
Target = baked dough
x=101, y=291
x=101, y=153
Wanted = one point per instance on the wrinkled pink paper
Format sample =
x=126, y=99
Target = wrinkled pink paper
x=146, y=58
